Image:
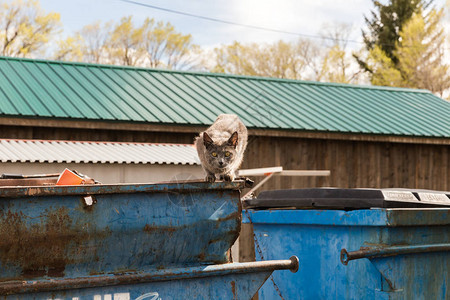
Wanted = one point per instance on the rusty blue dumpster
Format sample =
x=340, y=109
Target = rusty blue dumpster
x=146, y=241
x=355, y=243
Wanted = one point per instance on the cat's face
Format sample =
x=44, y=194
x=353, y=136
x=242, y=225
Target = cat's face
x=220, y=156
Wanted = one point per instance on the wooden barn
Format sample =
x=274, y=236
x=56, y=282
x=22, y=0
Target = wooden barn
x=366, y=136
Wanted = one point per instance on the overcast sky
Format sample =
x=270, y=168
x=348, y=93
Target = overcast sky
x=298, y=16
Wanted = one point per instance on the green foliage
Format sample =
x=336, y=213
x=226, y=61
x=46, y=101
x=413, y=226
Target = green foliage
x=386, y=24
x=303, y=59
x=421, y=53
x=336, y=66
x=124, y=43
x=279, y=60
x=153, y=44
x=164, y=46
x=420, y=56
x=69, y=49
x=25, y=29
x=405, y=46
x=383, y=69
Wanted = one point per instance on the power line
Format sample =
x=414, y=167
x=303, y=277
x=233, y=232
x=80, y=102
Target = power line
x=310, y=36
x=239, y=24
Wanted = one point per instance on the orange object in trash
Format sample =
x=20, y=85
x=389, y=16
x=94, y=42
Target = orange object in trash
x=68, y=177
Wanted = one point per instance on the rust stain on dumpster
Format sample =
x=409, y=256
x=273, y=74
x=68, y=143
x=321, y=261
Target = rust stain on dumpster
x=169, y=229
x=39, y=249
x=235, y=215
x=233, y=289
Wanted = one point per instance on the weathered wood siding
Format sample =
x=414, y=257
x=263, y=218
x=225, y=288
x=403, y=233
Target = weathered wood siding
x=352, y=163
x=84, y=134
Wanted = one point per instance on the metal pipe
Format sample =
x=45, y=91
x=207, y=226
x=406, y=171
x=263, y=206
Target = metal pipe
x=258, y=185
x=381, y=251
x=21, y=287
x=22, y=176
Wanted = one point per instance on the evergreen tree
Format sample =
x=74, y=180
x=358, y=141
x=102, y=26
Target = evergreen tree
x=420, y=56
x=385, y=25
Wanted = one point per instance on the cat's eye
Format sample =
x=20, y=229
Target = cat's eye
x=214, y=154
x=227, y=154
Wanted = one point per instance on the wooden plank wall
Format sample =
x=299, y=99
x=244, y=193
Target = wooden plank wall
x=352, y=163
x=83, y=134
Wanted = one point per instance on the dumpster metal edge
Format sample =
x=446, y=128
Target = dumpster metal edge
x=163, y=187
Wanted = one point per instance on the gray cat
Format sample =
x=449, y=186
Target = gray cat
x=221, y=147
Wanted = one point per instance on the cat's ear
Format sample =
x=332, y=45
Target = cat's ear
x=233, y=140
x=207, y=141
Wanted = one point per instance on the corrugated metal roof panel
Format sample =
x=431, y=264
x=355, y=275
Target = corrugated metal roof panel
x=39, y=88
x=96, y=152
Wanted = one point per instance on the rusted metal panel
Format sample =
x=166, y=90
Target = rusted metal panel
x=147, y=241
x=54, y=231
x=143, y=241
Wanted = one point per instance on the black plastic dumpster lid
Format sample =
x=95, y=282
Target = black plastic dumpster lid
x=349, y=199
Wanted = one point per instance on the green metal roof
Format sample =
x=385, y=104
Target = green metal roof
x=49, y=89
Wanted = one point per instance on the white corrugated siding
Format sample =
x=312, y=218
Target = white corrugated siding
x=96, y=152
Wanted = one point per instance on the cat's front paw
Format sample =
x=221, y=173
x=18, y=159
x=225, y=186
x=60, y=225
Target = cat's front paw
x=210, y=178
x=227, y=177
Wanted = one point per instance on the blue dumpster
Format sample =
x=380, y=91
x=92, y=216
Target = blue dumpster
x=354, y=243
x=146, y=241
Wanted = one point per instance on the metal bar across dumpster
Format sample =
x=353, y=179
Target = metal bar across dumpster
x=146, y=241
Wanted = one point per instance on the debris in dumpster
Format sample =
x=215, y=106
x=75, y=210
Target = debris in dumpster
x=28, y=180
x=72, y=177
x=22, y=176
